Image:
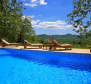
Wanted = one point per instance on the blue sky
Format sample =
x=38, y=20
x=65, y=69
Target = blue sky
x=48, y=16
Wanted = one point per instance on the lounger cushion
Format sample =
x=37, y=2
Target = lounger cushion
x=27, y=42
x=5, y=41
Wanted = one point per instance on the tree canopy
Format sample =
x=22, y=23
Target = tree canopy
x=12, y=26
x=80, y=17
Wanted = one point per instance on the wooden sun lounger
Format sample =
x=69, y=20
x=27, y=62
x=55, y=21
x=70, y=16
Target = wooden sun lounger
x=26, y=43
x=6, y=43
x=58, y=45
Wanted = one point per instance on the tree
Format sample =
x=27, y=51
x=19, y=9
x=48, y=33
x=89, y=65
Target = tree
x=81, y=11
x=25, y=30
x=12, y=25
x=10, y=15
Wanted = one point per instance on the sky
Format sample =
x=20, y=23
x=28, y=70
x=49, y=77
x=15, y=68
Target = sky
x=49, y=16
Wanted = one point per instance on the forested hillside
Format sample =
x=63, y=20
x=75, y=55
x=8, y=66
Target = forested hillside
x=67, y=37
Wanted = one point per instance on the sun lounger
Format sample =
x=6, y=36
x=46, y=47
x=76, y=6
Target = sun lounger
x=58, y=45
x=26, y=43
x=4, y=43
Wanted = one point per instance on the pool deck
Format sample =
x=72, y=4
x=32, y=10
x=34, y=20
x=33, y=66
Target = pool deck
x=74, y=50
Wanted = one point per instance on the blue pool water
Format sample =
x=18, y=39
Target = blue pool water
x=43, y=67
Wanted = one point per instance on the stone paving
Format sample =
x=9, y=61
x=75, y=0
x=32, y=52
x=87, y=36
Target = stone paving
x=74, y=50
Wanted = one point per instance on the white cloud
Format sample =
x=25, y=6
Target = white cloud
x=60, y=22
x=50, y=25
x=68, y=26
x=33, y=0
x=32, y=16
x=34, y=3
x=42, y=2
x=34, y=22
x=31, y=5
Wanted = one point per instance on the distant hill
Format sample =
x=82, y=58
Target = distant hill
x=67, y=37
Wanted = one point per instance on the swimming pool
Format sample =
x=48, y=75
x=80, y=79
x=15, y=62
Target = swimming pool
x=18, y=66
